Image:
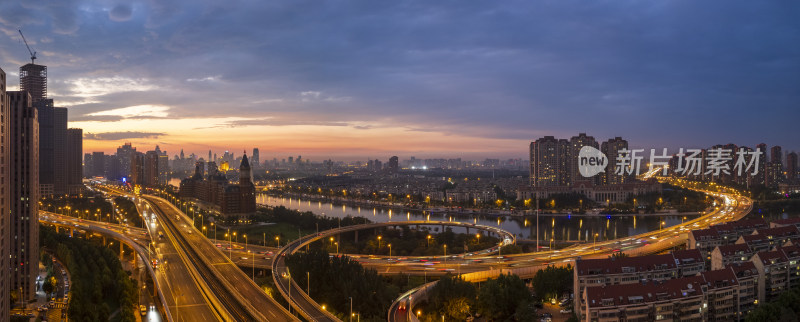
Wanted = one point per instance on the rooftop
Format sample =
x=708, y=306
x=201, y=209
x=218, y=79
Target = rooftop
x=732, y=249
x=615, y=265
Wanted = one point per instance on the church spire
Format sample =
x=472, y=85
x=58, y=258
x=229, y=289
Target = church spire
x=244, y=171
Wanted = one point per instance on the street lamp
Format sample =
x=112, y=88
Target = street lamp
x=595, y=241
x=390, y=250
x=429, y=241
x=445, y=255
x=230, y=247
x=379, y=243
x=337, y=248
x=278, y=240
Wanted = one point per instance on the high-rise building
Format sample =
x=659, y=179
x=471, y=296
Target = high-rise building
x=24, y=195
x=255, y=159
x=163, y=168
x=98, y=164
x=791, y=167
x=576, y=143
x=5, y=188
x=52, y=147
x=33, y=79
x=761, y=176
x=151, y=168
x=394, y=164
x=113, y=168
x=774, y=170
x=776, y=154
x=73, y=160
x=125, y=154
x=549, y=162
x=88, y=165
x=611, y=149
x=137, y=168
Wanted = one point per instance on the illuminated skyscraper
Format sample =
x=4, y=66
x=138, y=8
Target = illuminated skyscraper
x=549, y=162
x=576, y=143
x=125, y=154
x=611, y=149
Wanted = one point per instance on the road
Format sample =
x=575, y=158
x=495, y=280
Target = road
x=733, y=207
x=240, y=296
x=142, y=251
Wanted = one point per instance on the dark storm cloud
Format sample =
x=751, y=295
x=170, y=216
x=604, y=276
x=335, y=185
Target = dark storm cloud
x=657, y=72
x=113, y=136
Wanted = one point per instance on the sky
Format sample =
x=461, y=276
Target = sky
x=356, y=79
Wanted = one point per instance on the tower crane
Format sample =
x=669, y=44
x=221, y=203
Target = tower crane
x=33, y=53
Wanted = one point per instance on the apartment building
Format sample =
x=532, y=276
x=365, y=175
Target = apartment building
x=722, y=256
x=769, y=238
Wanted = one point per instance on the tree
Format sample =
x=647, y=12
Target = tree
x=552, y=281
x=49, y=285
x=457, y=308
x=618, y=255
x=525, y=312
x=499, y=298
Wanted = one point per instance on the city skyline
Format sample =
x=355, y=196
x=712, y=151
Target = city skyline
x=481, y=81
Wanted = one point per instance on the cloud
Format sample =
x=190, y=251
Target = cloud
x=279, y=122
x=514, y=69
x=120, y=13
x=136, y=111
x=113, y=136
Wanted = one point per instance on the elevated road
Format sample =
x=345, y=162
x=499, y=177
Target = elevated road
x=143, y=253
x=239, y=295
x=310, y=309
x=733, y=207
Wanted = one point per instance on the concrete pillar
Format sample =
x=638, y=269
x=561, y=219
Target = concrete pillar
x=356, y=233
x=120, y=250
x=70, y=232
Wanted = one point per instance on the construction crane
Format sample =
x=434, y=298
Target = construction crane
x=33, y=53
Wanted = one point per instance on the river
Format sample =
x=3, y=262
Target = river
x=560, y=228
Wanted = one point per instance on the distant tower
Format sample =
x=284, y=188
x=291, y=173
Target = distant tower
x=394, y=164
x=256, y=159
x=209, y=156
x=244, y=171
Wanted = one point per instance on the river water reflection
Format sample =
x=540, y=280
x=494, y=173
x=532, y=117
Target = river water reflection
x=558, y=227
